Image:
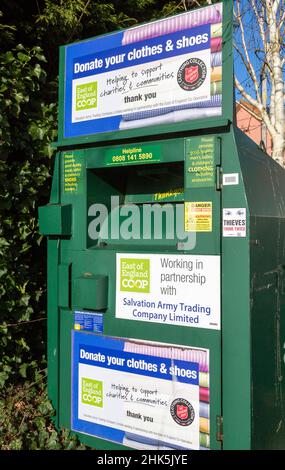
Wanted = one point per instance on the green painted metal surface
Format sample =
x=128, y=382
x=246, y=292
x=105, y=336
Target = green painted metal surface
x=264, y=182
x=247, y=363
x=55, y=219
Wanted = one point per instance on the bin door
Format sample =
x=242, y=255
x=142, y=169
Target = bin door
x=203, y=219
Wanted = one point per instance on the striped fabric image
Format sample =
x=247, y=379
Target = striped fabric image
x=174, y=116
x=216, y=44
x=199, y=110
x=216, y=59
x=215, y=101
x=200, y=356
x=190, y=19
x=190, y=355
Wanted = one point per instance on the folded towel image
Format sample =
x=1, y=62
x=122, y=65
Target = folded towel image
x=215, y=101
x=216, y=88
x=174, y=116
x=216, y=59
x=191, y=355
x=216, y=30
x=216, y=74
x=190, y=19
x=216, y=44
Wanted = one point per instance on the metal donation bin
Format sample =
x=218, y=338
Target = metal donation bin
x=166, y=247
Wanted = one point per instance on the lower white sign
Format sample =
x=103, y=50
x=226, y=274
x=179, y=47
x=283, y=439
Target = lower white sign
x=140, y=394
x=171, y=289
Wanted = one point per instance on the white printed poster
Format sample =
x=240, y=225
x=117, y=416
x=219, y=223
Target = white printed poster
x=140, y=94
x=140, y=394
x=163, y=72
x=169, y=289
x=234, y=222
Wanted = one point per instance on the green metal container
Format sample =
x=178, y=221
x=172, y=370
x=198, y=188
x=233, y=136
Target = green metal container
x=210, y=370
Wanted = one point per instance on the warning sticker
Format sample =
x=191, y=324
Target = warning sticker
x=198, y=216
x=234, y=222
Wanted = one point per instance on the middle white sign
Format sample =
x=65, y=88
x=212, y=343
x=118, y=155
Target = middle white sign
x=169, y=289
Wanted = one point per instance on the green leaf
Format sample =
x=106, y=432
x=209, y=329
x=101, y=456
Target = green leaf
x=37, y=70
x=23, y=57
x=9, y=56
x=23, y=370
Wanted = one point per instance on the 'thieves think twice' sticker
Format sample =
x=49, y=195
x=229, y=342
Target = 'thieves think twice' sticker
x=234, y=222
x=169, y=289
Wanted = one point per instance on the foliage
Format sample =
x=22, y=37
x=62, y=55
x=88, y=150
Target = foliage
x=25, y=419
x=27, y=128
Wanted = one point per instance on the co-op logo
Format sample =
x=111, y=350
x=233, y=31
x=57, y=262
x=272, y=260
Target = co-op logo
x=86, y=96
x=92, y=392
x=135, y=275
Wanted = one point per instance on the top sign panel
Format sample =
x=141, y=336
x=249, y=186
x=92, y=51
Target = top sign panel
x=163, y=72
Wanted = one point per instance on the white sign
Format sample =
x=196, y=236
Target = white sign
x=154, y=422
x=230, y=179
x=234, y=222
x=170, y=289
x=140, y=94
x=139, y=394
x=167, y=71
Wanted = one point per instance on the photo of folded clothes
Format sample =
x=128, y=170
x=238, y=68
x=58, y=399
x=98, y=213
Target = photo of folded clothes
x=163, y=72
x=210, y=15
x=216, y=59
x=193, y=355
x=171, y=114
x=175, y=116
x=215, y=101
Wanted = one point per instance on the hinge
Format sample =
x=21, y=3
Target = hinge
x=219, y=435
x=219, y=177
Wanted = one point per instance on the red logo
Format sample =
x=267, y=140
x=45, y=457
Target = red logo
x=191, y=74
x=182, y=411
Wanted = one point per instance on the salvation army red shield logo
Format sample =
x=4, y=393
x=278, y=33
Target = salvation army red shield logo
x=191, y=74
x=182, y=412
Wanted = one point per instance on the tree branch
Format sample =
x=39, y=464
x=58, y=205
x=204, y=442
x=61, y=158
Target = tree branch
x=246, y=66
x=249, y=67
x=260, y=21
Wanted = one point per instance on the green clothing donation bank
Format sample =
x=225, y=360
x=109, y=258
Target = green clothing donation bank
x=166, y=247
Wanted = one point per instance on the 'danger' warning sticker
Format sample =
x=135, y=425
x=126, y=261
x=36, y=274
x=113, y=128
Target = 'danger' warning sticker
x=198, y=216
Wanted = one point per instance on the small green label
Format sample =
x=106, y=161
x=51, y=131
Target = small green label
x=86, y=96
x=72, y=174
x=200, y=162
x=92, y=392
x=138, y=154
x=135, y=275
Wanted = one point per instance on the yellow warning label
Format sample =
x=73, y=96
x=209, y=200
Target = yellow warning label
x=198, y=216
